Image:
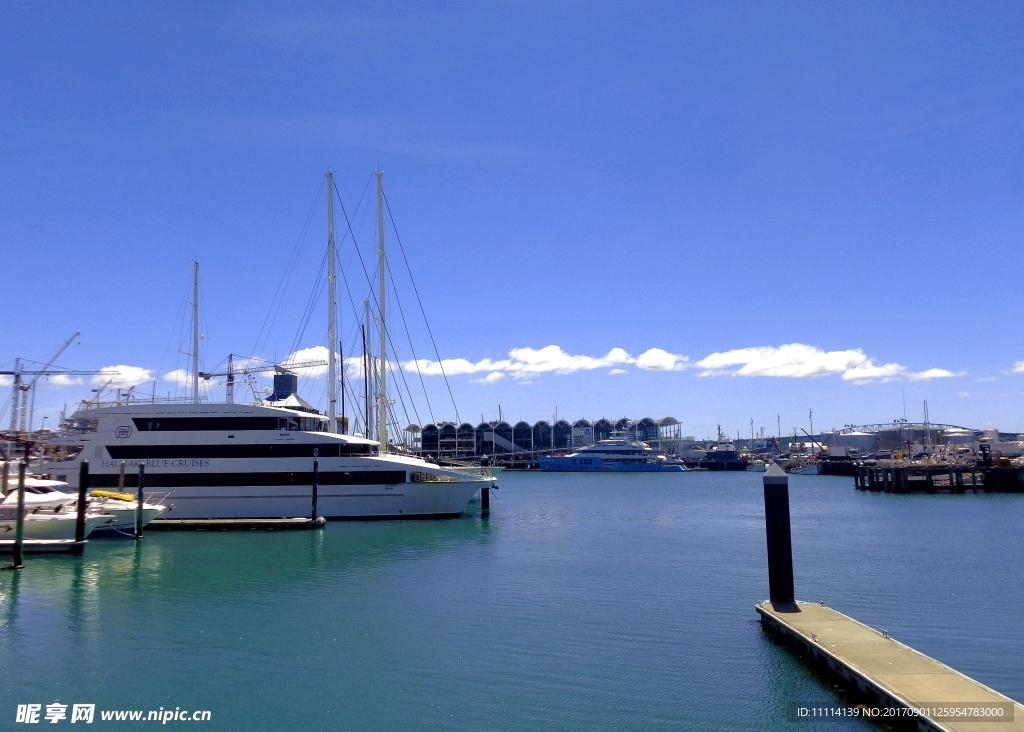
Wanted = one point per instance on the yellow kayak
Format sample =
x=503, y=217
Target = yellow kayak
x=114, y=494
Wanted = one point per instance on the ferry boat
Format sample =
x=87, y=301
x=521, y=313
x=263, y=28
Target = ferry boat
x=257, y=461
x=616, y=454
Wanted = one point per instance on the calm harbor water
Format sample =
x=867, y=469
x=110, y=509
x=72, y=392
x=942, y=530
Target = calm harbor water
x=585, y=602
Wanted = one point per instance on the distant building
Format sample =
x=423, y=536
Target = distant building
x=497, y=438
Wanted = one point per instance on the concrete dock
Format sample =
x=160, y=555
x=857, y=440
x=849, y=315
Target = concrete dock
x=882, y=672
x=251, y=524
x=44, y=546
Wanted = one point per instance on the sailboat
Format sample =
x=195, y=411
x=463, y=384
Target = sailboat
x=227, y=460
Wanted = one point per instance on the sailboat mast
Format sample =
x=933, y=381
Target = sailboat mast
x=195, y=332
x=368, y=408
x=332, y=312
x=382, y=407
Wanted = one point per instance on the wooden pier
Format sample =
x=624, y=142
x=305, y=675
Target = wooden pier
x=939, y=479
x=251, y=524
x=884, y=673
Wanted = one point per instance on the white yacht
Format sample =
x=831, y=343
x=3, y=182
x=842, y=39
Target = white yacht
x=256, y=461
x=615, y=454
x=49, y=513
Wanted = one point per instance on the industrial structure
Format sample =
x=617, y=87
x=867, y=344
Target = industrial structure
x=464, y=441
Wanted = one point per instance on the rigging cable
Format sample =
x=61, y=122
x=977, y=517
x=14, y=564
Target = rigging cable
x=420, y=301
x=374, y=296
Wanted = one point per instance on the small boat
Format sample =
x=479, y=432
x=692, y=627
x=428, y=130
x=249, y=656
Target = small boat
x=47, y=516
x=107, y=512
x=757, y=466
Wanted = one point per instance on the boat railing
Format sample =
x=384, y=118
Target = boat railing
x=84, y=406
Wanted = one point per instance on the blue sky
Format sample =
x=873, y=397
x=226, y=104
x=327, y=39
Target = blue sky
x=715, y=181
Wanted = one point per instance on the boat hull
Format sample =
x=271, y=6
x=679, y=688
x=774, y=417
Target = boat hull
x=404, y=500
x=124, y=521
x=53, y=527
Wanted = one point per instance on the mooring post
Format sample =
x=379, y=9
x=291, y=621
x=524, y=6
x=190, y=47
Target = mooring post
x=120, y=479
x=83, y=492
x=780, y=547
x=316, y=486
x=19, y=522
x=485, y=500
x=3, y=486
x=139, y=498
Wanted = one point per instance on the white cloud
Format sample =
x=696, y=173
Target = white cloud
x=1018, y=367
x=657, y=359
x=491, y=378
x=178, y=377
x=525, y=363
x=798, y=360
x=929, y=374
x=60, y=380
x=964, y=394
x=316, y=353
x=6, y=380
x=616, y=372
x=126, y=376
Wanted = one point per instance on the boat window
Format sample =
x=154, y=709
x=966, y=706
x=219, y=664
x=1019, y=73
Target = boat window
x=196, y=424
x=236, y=450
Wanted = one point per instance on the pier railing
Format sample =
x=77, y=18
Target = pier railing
x=938, y=478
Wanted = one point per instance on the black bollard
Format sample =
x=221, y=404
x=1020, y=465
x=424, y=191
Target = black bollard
x=485, y=500
x=3, y=486
x=19, y=522
x=316, y=485
x=138, y=499
x=83, y=492
x=780, y=547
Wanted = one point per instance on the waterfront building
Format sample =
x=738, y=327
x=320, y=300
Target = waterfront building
x=465, y=441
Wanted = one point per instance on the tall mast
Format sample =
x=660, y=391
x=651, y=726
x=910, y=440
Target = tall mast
x=369, y=410
x=230, y=389
x=195, y=332
x=382, y=407
x=332, y=311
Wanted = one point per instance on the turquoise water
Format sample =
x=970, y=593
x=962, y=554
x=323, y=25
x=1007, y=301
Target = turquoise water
x=585, y=602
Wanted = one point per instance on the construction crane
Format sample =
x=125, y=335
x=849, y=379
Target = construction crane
x=232, y=372
x=20, y=390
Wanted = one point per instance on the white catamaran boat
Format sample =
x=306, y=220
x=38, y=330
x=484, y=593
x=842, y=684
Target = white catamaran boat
x=256, y=461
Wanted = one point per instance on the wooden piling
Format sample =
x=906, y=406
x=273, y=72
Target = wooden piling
x=316, y=486
x=19, y=522
x=777, y=530
x=485, y=500
x=83, y=493
x=138, y=498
